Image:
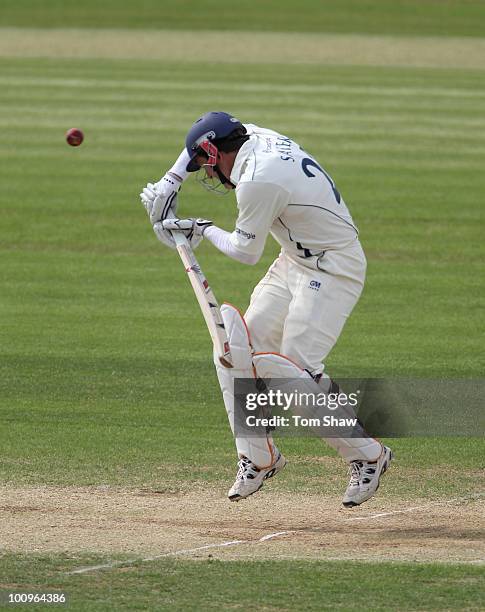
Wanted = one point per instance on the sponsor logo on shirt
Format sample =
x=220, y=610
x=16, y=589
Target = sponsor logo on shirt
x=315, y=285
x=247, y=235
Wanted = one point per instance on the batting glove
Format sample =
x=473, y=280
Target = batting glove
x=159, y=198
x=192, y=228
x=164, y=235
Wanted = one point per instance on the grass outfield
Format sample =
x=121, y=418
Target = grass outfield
x=414, y=17
x=269, y=585
x=97, y=311
x=106, y=378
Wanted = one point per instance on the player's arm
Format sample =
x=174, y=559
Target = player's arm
x=195, y=230
x=222, y=241
x=259, y=204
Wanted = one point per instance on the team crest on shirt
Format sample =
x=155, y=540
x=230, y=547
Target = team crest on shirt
x=315, y=285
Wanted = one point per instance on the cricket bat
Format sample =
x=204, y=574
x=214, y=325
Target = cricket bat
x=206, y=298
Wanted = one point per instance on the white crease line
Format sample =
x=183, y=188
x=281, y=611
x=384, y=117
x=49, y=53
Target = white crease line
x=273, y=535
x=93, y=568
x=269, y=536
x=435, y=503
x=373, y=516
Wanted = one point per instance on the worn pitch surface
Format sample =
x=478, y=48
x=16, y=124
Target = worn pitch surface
x=147, y=523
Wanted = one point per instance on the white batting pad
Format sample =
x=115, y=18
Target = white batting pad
x=275, y=366
x=260, y=450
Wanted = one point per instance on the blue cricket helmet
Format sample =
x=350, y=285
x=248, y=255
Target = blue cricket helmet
x=213, y=126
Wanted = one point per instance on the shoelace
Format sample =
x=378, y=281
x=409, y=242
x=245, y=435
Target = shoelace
x=244, y=465
x=357, y=472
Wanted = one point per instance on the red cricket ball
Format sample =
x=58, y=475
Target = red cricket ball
x=74, y=137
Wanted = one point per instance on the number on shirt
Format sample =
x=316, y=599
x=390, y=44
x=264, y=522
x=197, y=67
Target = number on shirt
x=307, y=163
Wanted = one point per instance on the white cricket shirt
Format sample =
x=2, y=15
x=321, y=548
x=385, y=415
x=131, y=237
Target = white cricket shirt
x=282, y=190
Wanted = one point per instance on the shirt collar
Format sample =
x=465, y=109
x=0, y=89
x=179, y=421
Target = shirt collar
x=241, y=159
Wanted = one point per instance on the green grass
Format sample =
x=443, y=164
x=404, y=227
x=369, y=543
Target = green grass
x=105, y=370
x=412, y=17
x=210, y=584
x=95, y=313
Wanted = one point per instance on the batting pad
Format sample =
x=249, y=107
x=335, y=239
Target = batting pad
x=259, y=449
x=274, y=366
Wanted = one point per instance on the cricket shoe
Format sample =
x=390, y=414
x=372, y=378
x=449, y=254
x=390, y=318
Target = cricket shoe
x=364, y=478
x=250, y=478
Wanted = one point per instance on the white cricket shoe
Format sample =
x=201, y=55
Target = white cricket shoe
x=250, y=478
x=364, y=478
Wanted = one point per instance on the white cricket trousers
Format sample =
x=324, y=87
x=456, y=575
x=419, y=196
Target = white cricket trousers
x=300, y=312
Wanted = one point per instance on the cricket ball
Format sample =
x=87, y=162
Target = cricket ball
x=74, y=137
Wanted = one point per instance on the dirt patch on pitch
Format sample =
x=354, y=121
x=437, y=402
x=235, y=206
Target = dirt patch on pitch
x=146, y=523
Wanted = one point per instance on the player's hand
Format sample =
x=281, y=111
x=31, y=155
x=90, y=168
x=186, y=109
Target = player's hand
x=192, y=228
x=164, y=235
x=199, y=226
x=159, y=198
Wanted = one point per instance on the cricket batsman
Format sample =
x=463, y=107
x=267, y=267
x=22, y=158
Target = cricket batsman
x=299, y=308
